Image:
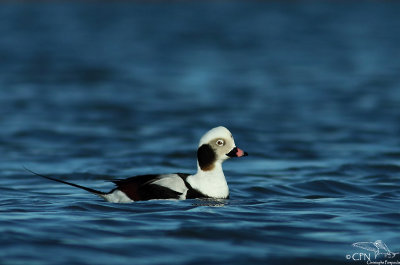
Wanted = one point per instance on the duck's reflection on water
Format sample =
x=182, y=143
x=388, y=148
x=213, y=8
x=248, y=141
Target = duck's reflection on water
x=211, y=202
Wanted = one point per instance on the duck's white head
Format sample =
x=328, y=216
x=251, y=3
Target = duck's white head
x=216, y=146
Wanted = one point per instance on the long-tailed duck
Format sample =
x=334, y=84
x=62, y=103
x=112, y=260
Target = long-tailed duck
x=216, y=146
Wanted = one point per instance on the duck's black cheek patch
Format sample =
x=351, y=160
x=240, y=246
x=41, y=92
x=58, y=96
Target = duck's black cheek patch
x=206, y=157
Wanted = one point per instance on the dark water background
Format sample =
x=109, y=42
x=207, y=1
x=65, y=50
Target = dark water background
x=95, y=91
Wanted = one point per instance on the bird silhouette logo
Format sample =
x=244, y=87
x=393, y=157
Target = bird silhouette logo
x=378, y=247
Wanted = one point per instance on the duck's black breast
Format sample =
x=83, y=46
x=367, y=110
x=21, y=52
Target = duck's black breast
x=191, y=193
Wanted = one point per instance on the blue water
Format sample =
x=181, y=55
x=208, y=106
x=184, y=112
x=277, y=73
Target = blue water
x=101, y=90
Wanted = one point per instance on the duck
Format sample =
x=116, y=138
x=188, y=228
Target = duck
x=209, y=182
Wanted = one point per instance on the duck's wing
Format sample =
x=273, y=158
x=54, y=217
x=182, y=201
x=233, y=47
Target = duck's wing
x=148, y=187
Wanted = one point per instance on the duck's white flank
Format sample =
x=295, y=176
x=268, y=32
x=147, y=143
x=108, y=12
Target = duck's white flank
x=173, y=182
x=116, y=196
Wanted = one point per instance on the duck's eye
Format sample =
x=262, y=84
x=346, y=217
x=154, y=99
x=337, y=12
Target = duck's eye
x=220, y=142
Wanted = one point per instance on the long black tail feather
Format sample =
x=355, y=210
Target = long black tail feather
x=68, y=183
